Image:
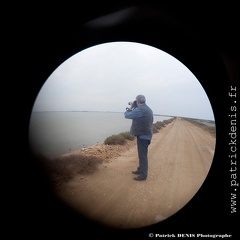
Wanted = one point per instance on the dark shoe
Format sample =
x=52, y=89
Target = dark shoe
x=136, y=172
x=138, y=178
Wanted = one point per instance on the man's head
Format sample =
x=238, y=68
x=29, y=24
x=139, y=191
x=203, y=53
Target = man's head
x=140, y=99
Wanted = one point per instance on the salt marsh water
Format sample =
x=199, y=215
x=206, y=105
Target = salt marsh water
x=56, y=133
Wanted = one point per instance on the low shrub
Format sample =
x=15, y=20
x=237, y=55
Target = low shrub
x=159, y=124
x=210, y=129
x=155, y=129
x=63, y=169
x=115, y=140
x=123, y=136
x=127, y=135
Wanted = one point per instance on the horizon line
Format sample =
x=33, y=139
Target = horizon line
x=155, y=114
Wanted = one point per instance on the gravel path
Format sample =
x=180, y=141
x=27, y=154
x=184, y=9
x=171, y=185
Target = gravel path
x=180, y=158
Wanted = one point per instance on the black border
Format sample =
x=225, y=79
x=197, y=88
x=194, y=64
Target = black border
x=202, y=37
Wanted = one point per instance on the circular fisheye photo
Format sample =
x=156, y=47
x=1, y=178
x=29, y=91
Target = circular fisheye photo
x=125, y=133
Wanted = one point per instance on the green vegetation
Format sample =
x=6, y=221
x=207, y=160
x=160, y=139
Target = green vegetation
x=119, y=139
x=115, y=140
x=62, y=169
x=128, y=136
x=211, y=128
x=158, y=125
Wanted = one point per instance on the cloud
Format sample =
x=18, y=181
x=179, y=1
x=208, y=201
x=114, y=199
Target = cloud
x=105, y=77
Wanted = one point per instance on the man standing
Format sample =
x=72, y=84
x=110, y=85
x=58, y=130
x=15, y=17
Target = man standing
x=142, y=128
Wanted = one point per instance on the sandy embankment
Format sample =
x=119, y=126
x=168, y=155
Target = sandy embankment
x=180, y=158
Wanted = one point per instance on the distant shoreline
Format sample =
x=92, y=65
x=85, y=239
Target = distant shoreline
x=159, y=115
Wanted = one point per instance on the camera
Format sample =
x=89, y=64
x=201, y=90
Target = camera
x=133, y=104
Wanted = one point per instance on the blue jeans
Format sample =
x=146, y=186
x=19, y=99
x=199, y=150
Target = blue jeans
x=142, y=146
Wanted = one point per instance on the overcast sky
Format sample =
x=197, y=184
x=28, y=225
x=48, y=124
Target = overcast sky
x=106, y=77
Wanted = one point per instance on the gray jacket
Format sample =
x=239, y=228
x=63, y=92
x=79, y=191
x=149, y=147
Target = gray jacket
x=143, y=125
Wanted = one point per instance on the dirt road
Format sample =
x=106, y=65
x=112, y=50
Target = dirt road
x=180, y=157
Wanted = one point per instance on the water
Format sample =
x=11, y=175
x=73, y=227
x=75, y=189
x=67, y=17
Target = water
x=56, y=133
